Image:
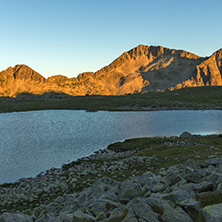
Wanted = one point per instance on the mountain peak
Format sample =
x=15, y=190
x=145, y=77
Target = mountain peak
x=218, y=53
x=24, y=72
x=143, y=68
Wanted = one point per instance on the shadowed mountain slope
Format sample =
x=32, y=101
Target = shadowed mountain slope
x=207, y=73
x=141, y=69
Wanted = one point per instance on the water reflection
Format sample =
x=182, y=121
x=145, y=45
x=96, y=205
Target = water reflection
x=35, y=141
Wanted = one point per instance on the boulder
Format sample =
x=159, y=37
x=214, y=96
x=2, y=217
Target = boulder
x=186, y=135
x=47, y=218
x=203, y=187
x=64, y=218
x=175, y=214
x=219, y=187
x=129, y=190
x=104, y=184
x=97, y=207
x=214, y=161
x=182, y=194
x=175, y=179
x=213, y=213
x=159, y=187
x=168, y=211
x=66, y=209
x=13, y=217
x=140, y=210
x=82, y=217
x=215, y=178
x=192, y=207
x=147, y=178
x=117, y=214
x=193, y=177
x=190, y=164
x=110, y=182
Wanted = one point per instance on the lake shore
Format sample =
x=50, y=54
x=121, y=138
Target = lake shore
x=195, y=98
x=112, y=185
x=75, y=189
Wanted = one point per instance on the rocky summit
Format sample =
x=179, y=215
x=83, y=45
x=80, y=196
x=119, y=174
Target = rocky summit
x=142, y=69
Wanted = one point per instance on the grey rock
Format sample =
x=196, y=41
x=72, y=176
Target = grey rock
x=139, y=209
x=219, y=187
x=71, y=197
x=169, y=212
x=189, y=203
x=186, y=135
x=213, y=213
x=147, y=178
x=116, y=214
x=156, y=200
x=178, y=185
x=129, y=190
x=214, y=178
x=59, y=199
x=88, y=172
x=182, y=194
x=104, y=184
x=109, y=203
x=38, y=191
x=173, y=170
x=190, y=164
x=159, y=187
x=203, y=187
x=14, y=217
x=110, y=182
x=22, y=197
x=82, y=217
x=68, y=217
x=175, y=180
x=74, y=180
x=170, y=198
x=52, y=207
x=219, y=169
x=191, y=206
x=68, y=209
x=37, y=211
x=46, y=218
x=102, y=189
x=83, y=198
x=193, y=177
x=97, y=207
x=214, y=161
x=175, y=214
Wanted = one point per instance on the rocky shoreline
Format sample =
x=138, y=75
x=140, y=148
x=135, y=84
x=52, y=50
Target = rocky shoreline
x=81, y=191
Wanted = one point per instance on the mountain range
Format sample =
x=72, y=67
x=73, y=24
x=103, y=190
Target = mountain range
x=142, y=69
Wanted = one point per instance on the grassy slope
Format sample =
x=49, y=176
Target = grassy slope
x=170, y=151
x=209, y=97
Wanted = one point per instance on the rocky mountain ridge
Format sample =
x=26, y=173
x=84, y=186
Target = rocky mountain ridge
x=144, y=68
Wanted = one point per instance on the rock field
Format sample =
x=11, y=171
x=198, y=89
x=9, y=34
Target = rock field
x=173, y=194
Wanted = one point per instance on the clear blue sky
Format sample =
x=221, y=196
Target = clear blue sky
x=73, y=36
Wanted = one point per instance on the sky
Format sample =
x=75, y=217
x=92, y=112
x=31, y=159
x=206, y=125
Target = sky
x=69, y=37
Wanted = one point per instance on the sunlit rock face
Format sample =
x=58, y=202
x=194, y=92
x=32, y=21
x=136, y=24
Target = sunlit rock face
x=207, y=73
x=144, y=68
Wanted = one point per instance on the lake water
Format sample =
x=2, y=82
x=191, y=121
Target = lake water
x=31, y=142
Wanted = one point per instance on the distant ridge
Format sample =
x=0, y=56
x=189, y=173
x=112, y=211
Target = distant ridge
x=144, y=68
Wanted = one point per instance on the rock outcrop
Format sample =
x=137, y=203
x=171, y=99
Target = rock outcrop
x=141, y=69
